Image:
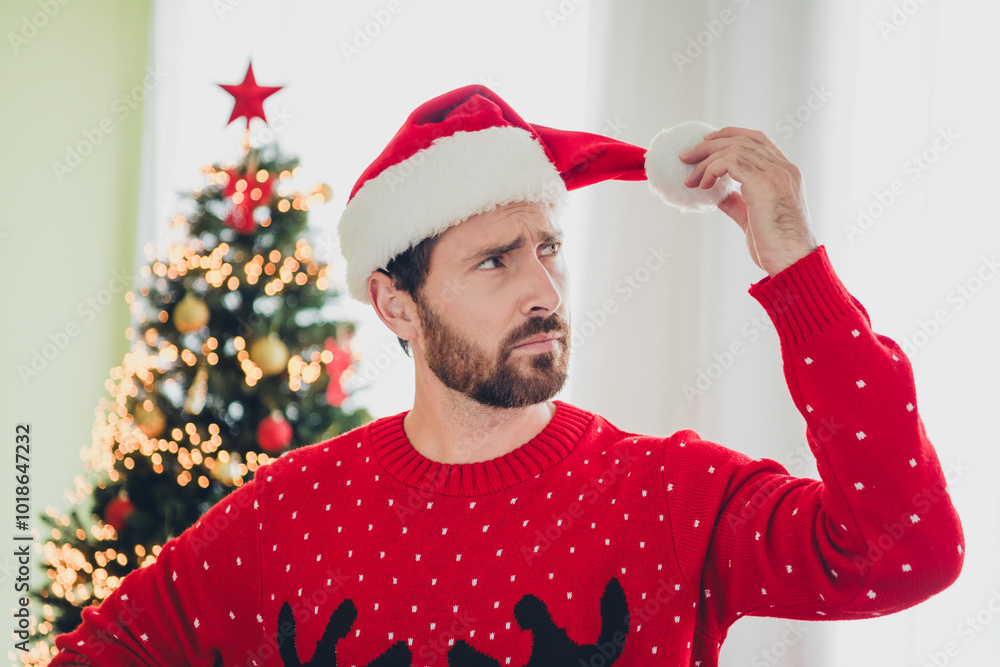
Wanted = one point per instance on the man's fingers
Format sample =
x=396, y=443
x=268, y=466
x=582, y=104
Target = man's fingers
x=741, y=166
x=713, y=141
x=752, y=154
x=736, y=208
x=756, y=135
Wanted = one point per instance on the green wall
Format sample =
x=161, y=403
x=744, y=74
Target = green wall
x=67, y=229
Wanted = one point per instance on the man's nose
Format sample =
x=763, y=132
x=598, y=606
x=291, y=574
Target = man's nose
x=544, y=289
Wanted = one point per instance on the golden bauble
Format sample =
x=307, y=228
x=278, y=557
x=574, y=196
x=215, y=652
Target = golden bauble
x=270, y=355
x=190, y=314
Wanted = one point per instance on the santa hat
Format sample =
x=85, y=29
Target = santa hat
x=467, y=152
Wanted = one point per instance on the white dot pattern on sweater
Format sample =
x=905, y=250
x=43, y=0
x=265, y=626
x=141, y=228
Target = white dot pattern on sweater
x=536, y=525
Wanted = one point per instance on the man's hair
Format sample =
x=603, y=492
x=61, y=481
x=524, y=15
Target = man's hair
x=408, y=271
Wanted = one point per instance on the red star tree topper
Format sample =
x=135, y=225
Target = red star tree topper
x=249, y=97
x=250, y=190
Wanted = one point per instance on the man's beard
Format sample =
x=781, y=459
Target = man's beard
x=462, y=365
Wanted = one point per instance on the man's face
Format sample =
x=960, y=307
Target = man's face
x=476, y=309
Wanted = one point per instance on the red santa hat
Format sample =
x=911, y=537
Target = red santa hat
x=467, y=152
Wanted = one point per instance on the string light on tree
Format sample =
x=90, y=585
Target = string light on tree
x=194, y=402
x=149, y=419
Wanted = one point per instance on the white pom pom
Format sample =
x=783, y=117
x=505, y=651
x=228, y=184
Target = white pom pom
x=665, y=172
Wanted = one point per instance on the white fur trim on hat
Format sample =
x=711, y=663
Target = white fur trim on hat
x=454, y=178
x=665, y=172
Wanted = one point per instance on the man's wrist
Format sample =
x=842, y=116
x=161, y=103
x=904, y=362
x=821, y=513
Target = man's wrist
x=792, y=260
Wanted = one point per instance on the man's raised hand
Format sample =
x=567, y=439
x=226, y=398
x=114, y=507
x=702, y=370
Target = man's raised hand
x=770, y=207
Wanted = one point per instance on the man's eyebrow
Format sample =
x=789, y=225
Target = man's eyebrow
x=548, y=236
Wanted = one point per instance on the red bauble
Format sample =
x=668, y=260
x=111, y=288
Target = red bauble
x=246, y=193
x=340, y=362
x=274, y=433
x=116, y=513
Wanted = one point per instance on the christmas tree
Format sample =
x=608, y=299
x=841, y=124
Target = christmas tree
x=237, y=356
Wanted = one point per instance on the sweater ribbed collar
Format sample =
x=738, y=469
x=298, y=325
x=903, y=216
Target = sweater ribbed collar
x=552, y=444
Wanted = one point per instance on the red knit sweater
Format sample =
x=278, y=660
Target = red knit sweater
x=587, y=545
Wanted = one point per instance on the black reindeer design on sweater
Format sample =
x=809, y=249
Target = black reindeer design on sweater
x=325, y=655
x=550, y=644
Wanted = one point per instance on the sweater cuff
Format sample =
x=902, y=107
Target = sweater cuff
x=805, y=299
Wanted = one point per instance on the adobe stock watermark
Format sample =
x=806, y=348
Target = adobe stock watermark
x=426, y=490
x=798, y=459
x=696, y=44
x=30, y=25
x=214, y=525
x=397, y=175
x=435, y=647
x=920, y=502
x=303, y=608
x=365, y=34
x=822, y=433
x=7, y=570
x=86, y=312
x=899, y=16
x=371, y=368
x=915, y=167
x=969, y=628
x=772, y=655
x=224, y=7
x=627, y=286
x=591, y=490
x=418, y=497
x=653, y=604
x=708, y=375
x=796, y=119
x=960, y=295
x=488, y=81
x=265, y=133
x=117, y=621
x=562, y=12
x=121, y=108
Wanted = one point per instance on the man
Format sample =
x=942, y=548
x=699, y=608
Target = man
x=490, y=525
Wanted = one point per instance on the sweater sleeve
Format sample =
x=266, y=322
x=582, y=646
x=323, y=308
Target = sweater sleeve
x=203, y=590
x=878, y=533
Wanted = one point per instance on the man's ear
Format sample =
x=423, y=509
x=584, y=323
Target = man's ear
x=394, y=307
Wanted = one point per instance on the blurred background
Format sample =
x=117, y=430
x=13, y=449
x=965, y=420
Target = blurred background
x=111, y=107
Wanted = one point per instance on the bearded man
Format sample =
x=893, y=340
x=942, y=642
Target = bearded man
x=494, y=525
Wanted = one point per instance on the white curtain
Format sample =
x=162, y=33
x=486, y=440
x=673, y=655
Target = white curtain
x=887, y=107
x=845, y=98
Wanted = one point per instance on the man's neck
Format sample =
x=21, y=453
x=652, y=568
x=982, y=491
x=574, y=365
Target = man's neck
x=464, y=431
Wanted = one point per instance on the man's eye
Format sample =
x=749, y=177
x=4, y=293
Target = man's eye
x=555, y=246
